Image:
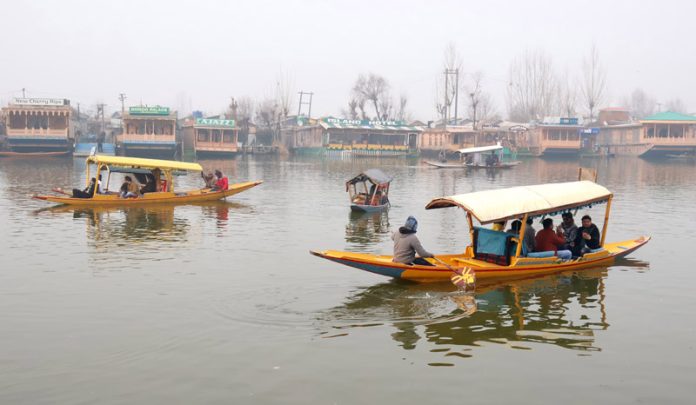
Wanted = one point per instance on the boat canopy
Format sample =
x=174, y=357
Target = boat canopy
x=480, y=149
x=141, y=163
x=375, y=176
x=513, y=203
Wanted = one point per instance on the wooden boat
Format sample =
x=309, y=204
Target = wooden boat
x=508, y=261
x=475, y=158
x=161, y=171
x=372, y=200
x=34, y=154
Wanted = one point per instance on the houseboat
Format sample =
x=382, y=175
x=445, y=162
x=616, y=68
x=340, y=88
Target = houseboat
x=148, y=131
x=348, y=137
x=38, y=125
x=560, y=138
x=211, y=137
x=668, y=133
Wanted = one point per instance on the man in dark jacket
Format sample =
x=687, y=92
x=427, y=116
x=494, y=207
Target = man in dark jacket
x=587, y=237
x=406, y=245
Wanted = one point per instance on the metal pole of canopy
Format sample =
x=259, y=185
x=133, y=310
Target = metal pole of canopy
x=520, y=237
x=606, y=222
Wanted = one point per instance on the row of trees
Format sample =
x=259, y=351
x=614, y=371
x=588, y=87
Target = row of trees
x=371, y=98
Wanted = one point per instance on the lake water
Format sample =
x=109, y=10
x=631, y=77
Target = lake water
x=221, y=303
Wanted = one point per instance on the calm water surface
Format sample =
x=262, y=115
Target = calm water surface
x=221, y=303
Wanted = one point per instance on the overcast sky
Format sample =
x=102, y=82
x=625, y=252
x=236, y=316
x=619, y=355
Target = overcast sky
x=202, y=52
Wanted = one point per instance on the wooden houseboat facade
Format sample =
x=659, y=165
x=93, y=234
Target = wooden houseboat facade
x=38, y=125
x=148, y=131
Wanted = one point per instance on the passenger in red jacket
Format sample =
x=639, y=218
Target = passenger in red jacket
x=221, y=183
x=547, y=240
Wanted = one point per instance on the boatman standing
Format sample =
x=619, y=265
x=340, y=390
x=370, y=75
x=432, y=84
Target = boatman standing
x=406, y=245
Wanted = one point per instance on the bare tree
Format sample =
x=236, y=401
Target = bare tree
x=676, y=105
x=402, y=114
x=284, y=93
x=268, y=113
x=445, y=88
x=245, y=113
x=594, y=81
x=640, y=104
x=567, y=96
x=532, y=86
x=475, y=94
x=374, y=89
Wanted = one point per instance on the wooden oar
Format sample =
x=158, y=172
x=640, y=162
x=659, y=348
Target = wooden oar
x=60, y=190
x=463, y=278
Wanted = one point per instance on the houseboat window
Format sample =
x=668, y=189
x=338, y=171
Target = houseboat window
x=203, y=135
x=17, y=120
x=651, y=132
x=141, y=128
x=228, y=136
x=662, y=132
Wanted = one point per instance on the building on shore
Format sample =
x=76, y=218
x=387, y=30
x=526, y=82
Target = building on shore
x=38, y=125
x=148, y=131
x=563, y=137
x=434, y=141
x=346, y=137
x=619, y=134
x=211, y=137
x=667, y=133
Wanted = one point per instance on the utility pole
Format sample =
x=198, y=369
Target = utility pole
x=122, y=97
x=24, y=95
x=309, y=103
x=100, y=110
x=455, y=73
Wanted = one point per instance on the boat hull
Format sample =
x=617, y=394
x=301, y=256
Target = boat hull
x=112, y=200
x=368, y=208
x=34, y=154
x=523, y=267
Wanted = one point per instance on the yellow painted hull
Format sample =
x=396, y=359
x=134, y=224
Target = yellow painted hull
x=189, y=197
x=519, y=268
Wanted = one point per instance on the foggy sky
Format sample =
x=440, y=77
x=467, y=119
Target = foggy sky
x=202, y=52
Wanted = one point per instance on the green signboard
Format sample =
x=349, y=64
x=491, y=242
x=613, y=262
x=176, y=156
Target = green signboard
x=148, y=110
x=364, y=123
x=213, y=122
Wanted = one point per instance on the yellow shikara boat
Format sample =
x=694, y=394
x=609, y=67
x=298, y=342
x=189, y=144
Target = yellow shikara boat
x=508, y=260
x=160, y=171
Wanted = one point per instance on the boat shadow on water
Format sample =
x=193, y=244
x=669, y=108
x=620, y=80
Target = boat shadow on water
x=565, y=310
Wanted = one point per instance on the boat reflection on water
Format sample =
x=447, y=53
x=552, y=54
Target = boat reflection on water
x=366, y=229
x=565, y=310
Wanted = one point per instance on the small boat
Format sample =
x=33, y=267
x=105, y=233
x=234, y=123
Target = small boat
x=34, y=154
x=476, y=158
x=499, y=255
x=374, y=199
x=160, y=172
x=682, y=156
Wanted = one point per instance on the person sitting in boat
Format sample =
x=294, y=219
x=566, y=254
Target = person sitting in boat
x=498, y=226
x=88, y=192
x=529, y=234
x=567, y=230
x=587, y=237
x=547, y=240
x=406, y=245
x=129, y=188
x=221, y=184
x=150, y=186
x=209, y=179
x=515, y=227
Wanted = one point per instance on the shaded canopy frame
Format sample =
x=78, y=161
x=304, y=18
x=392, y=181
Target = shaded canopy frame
x=533, y=201
x=129, y=162
x=375, y=176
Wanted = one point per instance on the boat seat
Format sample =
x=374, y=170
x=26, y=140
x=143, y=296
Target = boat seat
x=548, y=253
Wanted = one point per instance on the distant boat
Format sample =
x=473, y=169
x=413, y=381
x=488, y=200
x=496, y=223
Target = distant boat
x=476, y=158
x=374, y=199
x=34, y=154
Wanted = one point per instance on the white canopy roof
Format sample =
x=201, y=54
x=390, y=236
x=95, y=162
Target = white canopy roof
x=480, y=149
x=512, y=203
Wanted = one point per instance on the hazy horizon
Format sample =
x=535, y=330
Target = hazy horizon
x=198, y=55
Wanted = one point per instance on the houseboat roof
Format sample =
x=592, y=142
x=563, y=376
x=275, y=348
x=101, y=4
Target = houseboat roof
x=131, y=162
x=513, y=203
x=669, y=117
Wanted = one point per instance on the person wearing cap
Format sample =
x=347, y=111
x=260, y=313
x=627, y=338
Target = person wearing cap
x=406, y=245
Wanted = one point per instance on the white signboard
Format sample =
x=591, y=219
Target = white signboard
x=40, y=101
